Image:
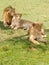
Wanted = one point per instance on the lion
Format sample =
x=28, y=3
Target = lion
x=8, y=15
x=37, y=33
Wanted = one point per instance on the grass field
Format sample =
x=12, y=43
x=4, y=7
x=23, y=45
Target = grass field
x=20, y=51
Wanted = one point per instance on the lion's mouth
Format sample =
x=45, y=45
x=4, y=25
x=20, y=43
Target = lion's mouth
x=44, y=36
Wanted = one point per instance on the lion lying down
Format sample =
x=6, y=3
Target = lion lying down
x=17, y=22
x=36, y=33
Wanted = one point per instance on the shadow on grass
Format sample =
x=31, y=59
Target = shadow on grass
x=2, y=26
x=27, y=44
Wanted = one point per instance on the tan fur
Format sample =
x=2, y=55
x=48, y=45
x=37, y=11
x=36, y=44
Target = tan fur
x=20, y=23
x=7, y=15
x=36, y=33
x=25, y=24
x=16, y=21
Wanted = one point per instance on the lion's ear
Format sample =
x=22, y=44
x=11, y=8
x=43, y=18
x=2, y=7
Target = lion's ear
x=40, y=23
x=33, y=24
x=20, y=15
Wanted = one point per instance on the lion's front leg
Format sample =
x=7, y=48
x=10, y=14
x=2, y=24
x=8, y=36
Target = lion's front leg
x=16, y=28
x=31, y=38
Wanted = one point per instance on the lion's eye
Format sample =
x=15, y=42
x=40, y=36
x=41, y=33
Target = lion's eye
x=42, y=33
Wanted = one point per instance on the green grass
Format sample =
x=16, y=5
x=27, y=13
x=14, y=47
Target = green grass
x=20, y=50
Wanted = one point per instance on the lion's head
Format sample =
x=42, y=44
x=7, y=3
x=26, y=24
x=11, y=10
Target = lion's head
x=15, y=21
x=8, y=15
